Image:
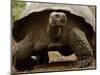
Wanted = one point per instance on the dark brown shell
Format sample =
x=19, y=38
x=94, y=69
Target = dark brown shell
x=34, y=8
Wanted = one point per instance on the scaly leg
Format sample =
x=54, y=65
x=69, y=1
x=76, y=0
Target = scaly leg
x=22, y=57
x=81, y=47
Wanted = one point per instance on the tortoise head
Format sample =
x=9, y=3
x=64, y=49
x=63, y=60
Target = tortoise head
x=57, y=19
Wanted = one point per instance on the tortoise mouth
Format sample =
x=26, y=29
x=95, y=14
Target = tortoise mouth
x=57, y=24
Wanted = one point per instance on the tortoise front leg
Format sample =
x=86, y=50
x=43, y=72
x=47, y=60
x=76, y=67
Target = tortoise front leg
x=81, y=47
x=30, y=54
x=22, y=58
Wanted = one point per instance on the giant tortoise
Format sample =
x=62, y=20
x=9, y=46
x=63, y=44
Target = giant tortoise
x=46, y=27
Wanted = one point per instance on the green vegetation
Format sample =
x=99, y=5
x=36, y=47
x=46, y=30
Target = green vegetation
x=17, y=9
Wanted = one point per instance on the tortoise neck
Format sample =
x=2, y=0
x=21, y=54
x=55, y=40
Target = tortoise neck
x=55, y=32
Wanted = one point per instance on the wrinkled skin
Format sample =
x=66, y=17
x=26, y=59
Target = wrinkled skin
x=72, y=39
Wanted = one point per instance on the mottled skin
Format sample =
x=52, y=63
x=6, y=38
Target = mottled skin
x=67, y=36
x=81, y=47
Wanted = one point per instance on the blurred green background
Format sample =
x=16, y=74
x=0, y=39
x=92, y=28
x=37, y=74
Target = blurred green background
x=17, y=9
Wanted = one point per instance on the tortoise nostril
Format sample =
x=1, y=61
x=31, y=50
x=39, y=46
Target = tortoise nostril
x=57, y=15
